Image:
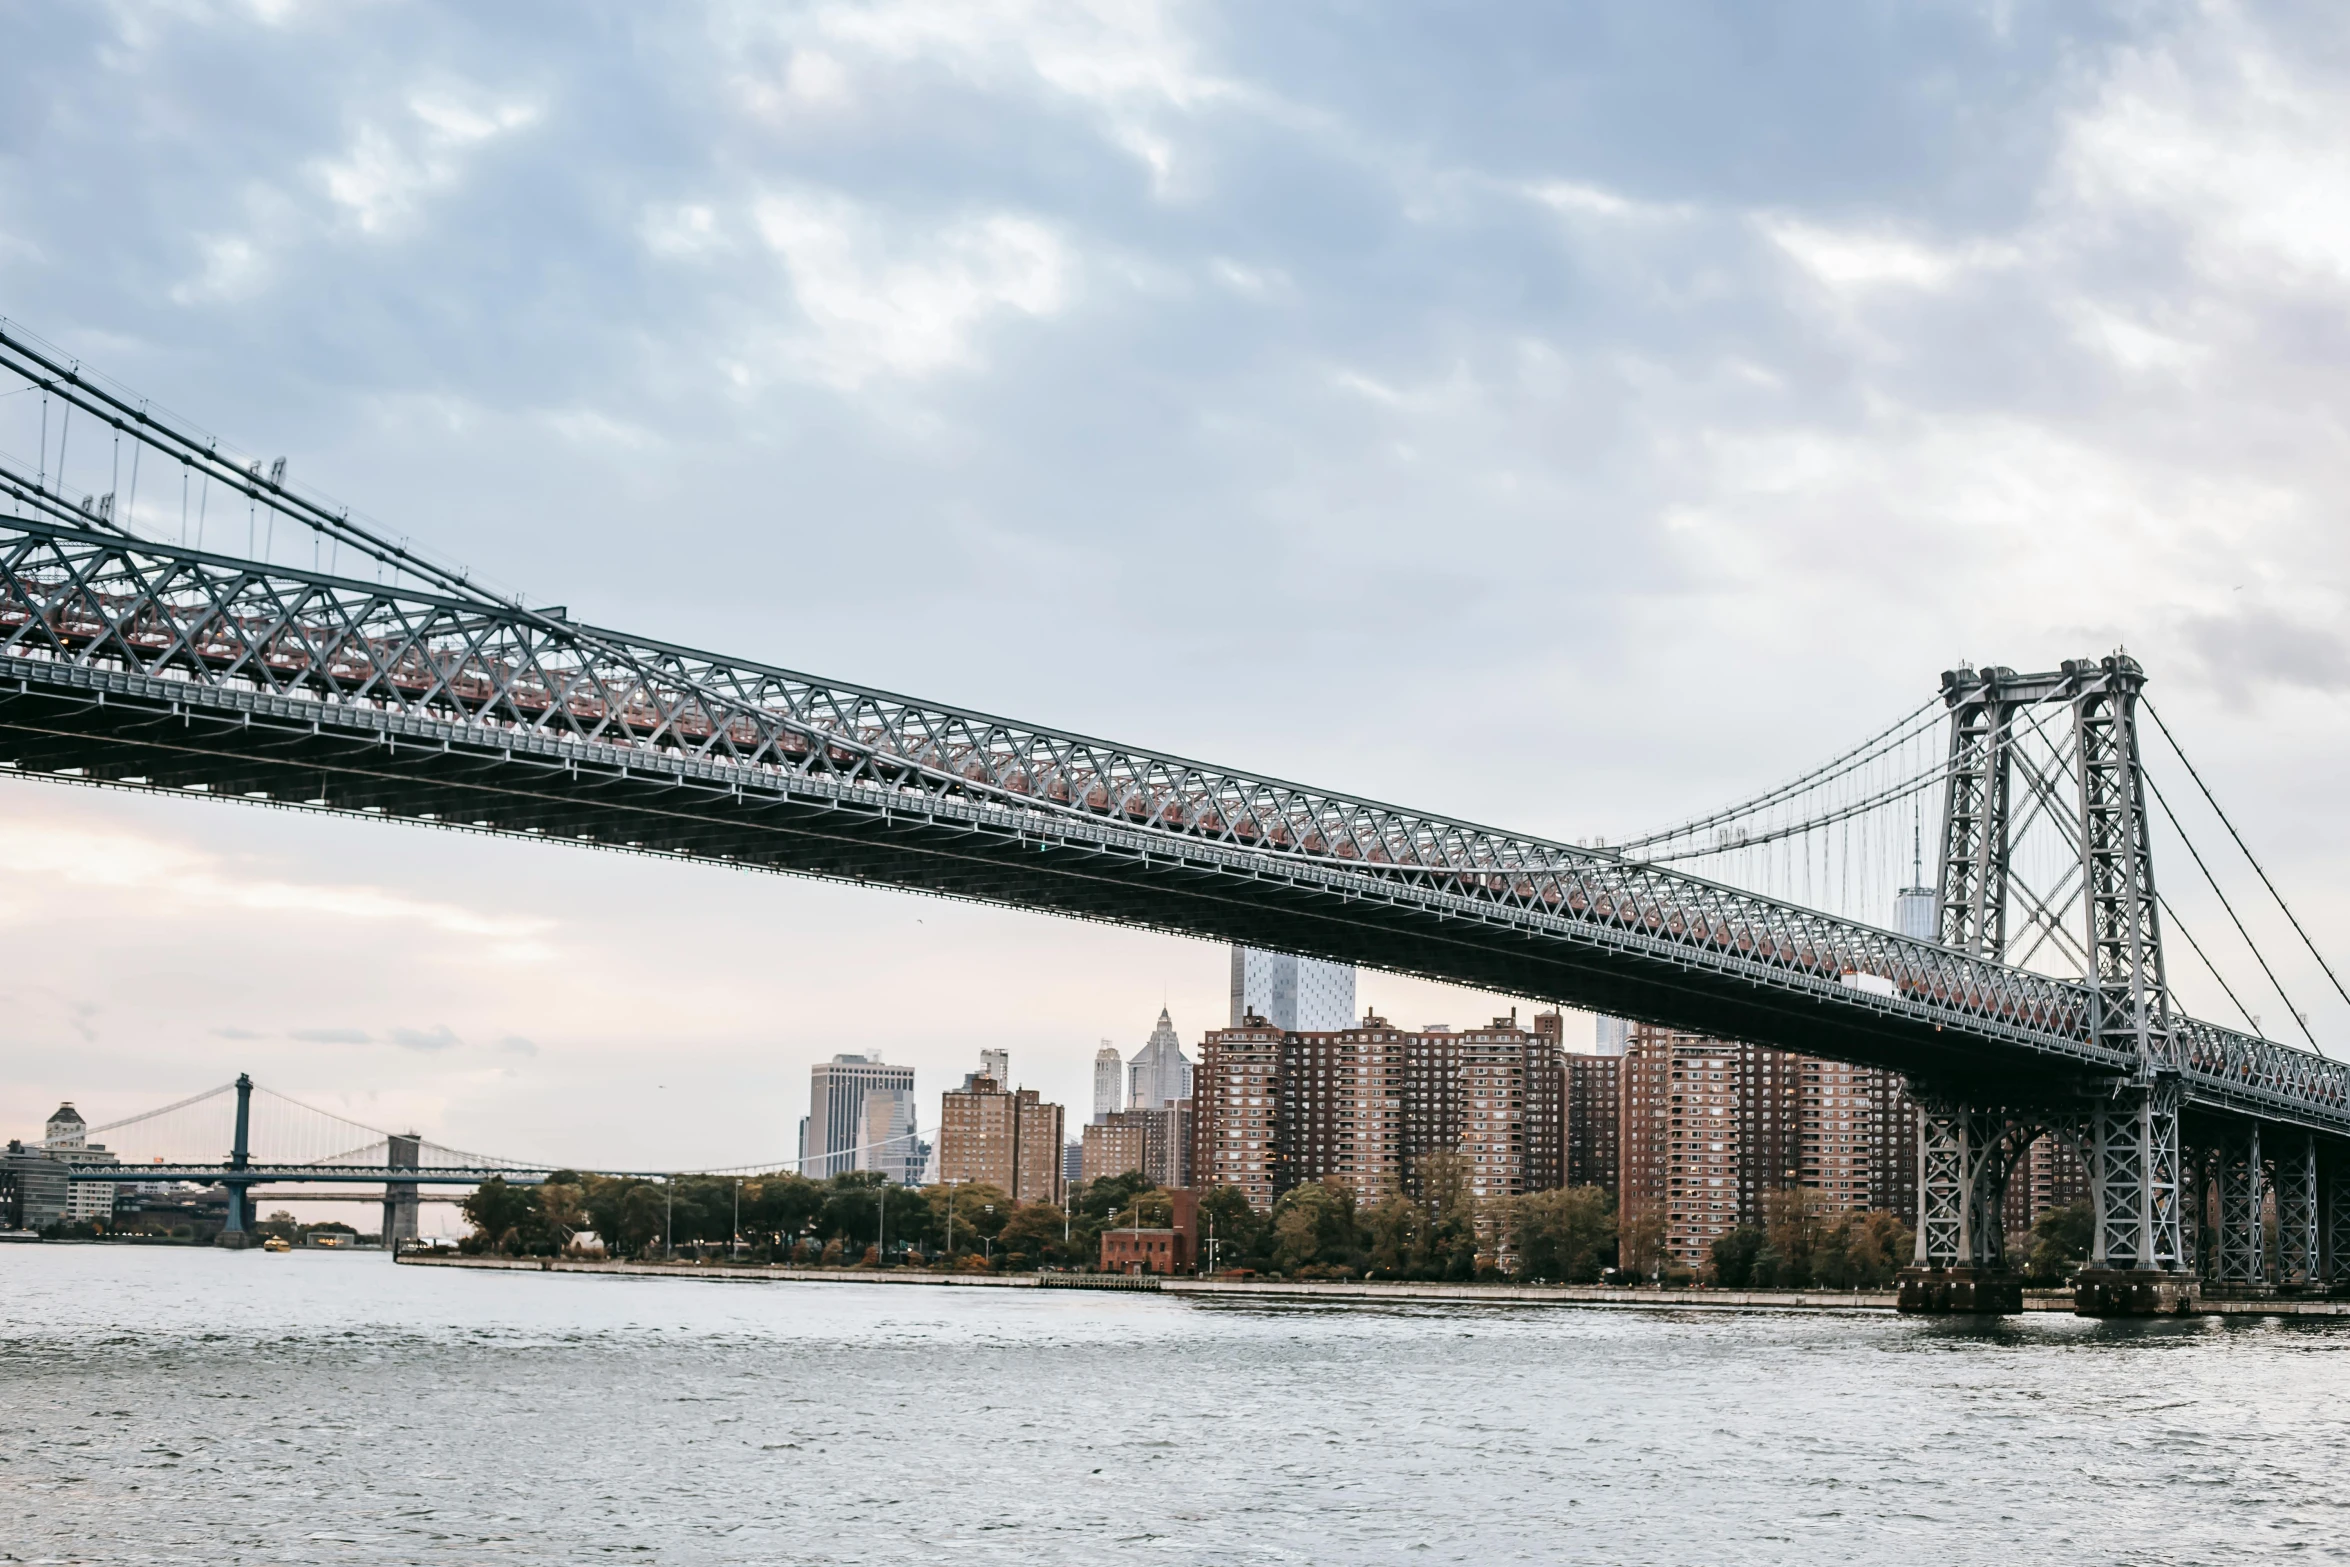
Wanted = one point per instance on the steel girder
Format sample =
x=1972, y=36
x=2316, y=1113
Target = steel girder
x=144, y=664
x=1970, y=912
x=2299, y=1258
x=2335, y=1265
x=2132, y=1150
x=2240, y=1251
x=1965, y=1155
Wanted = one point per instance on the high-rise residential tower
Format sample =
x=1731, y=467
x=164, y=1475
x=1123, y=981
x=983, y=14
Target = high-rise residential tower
x=1006, y=1138
x=1294, y=994
x=1364, y=1104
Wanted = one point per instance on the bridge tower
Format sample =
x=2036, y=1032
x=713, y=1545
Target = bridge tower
x=238, y=1230
x=2127, y=1130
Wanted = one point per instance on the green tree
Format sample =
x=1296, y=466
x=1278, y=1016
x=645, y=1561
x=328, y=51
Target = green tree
x=503, y=1216
x=1395, y=1235
x=782, y=1208
x=1795, y=1220
x=643, y=1217
x=1640, y=1239
x=1314, y=1228
x=1734, y=1255
x=854, y=1208
x=1449, y=1246
x=1563, y=1235
x=2060, y=1243
x=1867, y=1251
x=1238, y=1231
x=1032, y=1238
x=976, y=1211
x=562, y=1210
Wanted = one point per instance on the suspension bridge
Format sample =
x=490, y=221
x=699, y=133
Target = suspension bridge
x=2029, y=997
x=273, y=1140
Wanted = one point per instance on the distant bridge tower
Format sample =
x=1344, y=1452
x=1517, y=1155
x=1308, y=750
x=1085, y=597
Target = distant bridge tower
x=2127, y=1130
x=399, y=1221
x=240, y=1155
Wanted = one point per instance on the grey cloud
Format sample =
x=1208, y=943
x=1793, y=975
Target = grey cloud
x=2256, y=646
x=437, y=1037
x=515, y=1044
x=236, y=1033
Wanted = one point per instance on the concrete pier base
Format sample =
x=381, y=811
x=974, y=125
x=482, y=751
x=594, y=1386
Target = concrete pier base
x=1945, y=1292
x=2134, y=1292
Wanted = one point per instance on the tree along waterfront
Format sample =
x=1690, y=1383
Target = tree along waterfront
x=1316, y=1230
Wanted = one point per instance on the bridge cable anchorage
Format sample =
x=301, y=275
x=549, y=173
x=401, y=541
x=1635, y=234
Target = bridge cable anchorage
x=2181, y=754
x=2258, y=956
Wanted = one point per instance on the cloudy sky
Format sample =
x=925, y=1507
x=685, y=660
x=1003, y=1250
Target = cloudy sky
x=1557, y=416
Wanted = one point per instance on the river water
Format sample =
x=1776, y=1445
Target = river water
x=169, y=1406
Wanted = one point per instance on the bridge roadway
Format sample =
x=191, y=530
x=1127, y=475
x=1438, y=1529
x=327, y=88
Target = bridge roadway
x=146, y=665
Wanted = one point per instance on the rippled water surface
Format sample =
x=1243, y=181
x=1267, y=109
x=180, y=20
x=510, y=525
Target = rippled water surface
x=193, y=1406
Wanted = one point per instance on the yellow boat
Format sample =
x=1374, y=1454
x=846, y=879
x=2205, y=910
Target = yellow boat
x=277, y=1243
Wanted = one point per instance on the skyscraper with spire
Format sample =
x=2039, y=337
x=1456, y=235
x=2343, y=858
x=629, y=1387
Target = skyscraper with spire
x=1158, y=1077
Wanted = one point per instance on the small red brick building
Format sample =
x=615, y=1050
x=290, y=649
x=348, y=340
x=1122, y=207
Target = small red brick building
x=1155, y=1250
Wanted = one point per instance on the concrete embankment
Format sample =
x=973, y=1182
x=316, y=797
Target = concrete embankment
x=1329, y=1291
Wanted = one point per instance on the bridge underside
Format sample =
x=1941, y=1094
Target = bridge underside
x=142, y=732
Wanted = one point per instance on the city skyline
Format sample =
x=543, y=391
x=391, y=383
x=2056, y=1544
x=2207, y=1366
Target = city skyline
x=1817, y=437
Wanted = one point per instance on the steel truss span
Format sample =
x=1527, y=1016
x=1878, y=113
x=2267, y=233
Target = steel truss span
x=146, y=665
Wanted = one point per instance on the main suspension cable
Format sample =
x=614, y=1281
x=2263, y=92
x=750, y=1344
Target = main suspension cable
x=1858, y=756
x=2257, y=956
x=2241, y=844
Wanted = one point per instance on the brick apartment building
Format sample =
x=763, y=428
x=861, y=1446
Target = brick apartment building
x=1707, y=1129
x=1362, y=1105
x=2049, y=1175
x=1004, y=1137
x=1591, y=1106
x=1158, y=1143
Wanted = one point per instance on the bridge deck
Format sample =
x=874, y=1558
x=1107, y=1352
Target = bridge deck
x=141, y=665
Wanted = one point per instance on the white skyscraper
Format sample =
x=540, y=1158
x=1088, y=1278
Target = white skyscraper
x=840, y=1118
x=1298, y=995
x=1608, y=1035
x=998, y=1065
x=1109, y=1082
x=1158, y=1075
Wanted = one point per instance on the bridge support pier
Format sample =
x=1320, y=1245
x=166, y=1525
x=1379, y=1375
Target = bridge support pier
x=1965, y=1152
x=2138, y=1253
x=2334, y=1264
x=2240, y=1254
x=2300, y=1259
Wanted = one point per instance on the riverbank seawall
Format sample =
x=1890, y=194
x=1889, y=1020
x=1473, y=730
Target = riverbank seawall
x=1362, y=1292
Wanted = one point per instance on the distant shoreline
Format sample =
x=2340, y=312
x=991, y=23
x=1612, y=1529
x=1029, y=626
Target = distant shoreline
x=1356, y=1291
x=1362, y=1292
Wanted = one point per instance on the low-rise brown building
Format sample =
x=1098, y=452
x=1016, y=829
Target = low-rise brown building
x=1149, y=1249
